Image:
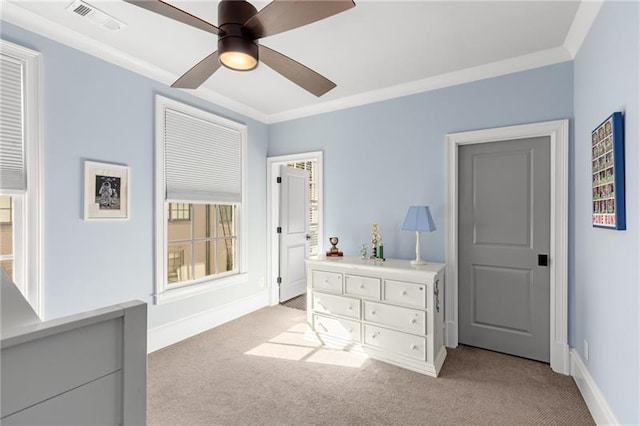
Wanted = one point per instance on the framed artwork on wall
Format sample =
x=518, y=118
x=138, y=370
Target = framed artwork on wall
x=106, y=191
x=607, y=168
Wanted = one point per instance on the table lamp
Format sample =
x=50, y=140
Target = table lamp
x=418, y=219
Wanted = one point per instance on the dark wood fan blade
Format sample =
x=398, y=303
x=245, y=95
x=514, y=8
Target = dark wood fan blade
x=169, y=11
x=304, y=77
x=283, y=15
x=197, y=75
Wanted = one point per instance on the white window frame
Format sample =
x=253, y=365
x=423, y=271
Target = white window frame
x=28, y=216
x=163, y=292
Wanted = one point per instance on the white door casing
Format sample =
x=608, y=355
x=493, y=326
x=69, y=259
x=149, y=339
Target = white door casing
x=558, y=132
x=294, y=235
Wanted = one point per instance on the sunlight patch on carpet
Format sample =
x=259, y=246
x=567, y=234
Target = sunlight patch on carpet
x=299, y=344
x=337, y=357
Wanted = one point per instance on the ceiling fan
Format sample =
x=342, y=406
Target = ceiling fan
x=240, y=26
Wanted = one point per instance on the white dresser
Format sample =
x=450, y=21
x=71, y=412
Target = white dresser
x=391, y=310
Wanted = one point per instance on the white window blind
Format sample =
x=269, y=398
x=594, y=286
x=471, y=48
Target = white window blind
x=202, y=160
x=12, y=152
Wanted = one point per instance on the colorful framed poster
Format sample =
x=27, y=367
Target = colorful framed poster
x=607, y=167
x=106, y=191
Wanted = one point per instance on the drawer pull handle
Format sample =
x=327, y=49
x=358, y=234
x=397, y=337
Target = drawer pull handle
x=361, y=285
x=413, y=321
x=326, y=280
x=404, y=293
x=414, y=347
x=373, y=312
x=376, y=334
x=350, y=308
x=351, y=330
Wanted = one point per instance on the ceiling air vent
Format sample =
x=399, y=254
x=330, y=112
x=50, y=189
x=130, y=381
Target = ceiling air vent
x=96, y=16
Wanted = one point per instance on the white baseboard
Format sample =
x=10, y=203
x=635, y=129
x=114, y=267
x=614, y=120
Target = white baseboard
x=173, y=332
x=597, y=404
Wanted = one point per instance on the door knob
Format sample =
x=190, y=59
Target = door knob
x=543, y=260
x=308, y=237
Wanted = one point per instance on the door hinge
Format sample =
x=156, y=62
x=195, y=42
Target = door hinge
x=279, y=280
x=278, y=179
x=279, y=229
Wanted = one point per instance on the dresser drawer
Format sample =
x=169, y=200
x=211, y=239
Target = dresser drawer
x=362, y=286
x=410, y=320
x=406, y=294
x=327, y=281
x=395, y=341
x=340, y=328
x=336, y=305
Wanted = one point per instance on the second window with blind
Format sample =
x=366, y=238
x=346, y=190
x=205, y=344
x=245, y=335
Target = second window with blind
x=200, y=199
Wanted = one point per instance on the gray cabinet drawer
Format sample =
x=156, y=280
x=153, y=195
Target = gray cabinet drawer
x=395, y=342
x=406, y=294
x=362, y=286
x=335, y=327
x=327, y=281
x=336, y=305
x=410, y=320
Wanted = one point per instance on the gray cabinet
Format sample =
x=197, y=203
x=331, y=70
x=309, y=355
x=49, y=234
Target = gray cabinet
x=391, y=310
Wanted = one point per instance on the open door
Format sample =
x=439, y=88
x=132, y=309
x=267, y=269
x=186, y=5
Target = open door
x=294, y=231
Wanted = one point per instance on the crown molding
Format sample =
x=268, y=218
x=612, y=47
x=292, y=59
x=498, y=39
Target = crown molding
x=468, y=75
x=21, y=17
x=582, y=22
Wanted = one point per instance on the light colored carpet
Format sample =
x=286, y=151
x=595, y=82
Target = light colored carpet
x=259, y=370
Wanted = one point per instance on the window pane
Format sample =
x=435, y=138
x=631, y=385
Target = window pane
x=6, y=227
x=205, y=219
x=225, y=255
x=204, y=260
x=179, y=263
x=5, y=209
x=226, y=225
x=7, y=265
x=178, y=229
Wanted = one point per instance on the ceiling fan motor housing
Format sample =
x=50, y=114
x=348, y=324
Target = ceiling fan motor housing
x=232, y=14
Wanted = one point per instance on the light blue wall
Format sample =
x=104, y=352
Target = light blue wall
x=383, y=157
x=94, y=110
x=605, y=268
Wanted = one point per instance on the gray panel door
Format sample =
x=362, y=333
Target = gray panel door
x=503, y=225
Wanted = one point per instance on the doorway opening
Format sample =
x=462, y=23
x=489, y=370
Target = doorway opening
x=310, y=162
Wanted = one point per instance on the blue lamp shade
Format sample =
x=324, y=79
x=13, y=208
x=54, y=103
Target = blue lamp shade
x=419, y=219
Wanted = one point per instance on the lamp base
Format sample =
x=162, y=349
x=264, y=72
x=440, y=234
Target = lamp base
x=418, y=262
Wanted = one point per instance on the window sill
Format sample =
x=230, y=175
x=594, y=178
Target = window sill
x=174, y=294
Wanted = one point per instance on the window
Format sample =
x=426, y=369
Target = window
x=6, y=235
x=200, y=201
x=20, y=165
x=179, y=211
x=312, y=168
x=203, y=246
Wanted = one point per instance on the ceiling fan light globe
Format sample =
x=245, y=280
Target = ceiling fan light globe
x=238, y=53
x=238, y=61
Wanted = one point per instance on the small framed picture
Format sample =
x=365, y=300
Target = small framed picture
x=106, y=191
x=607, y=174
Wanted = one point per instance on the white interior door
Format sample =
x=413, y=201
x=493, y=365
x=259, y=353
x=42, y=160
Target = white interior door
x=294, y=231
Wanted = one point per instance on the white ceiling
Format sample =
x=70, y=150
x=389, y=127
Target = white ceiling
x=372, y=51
